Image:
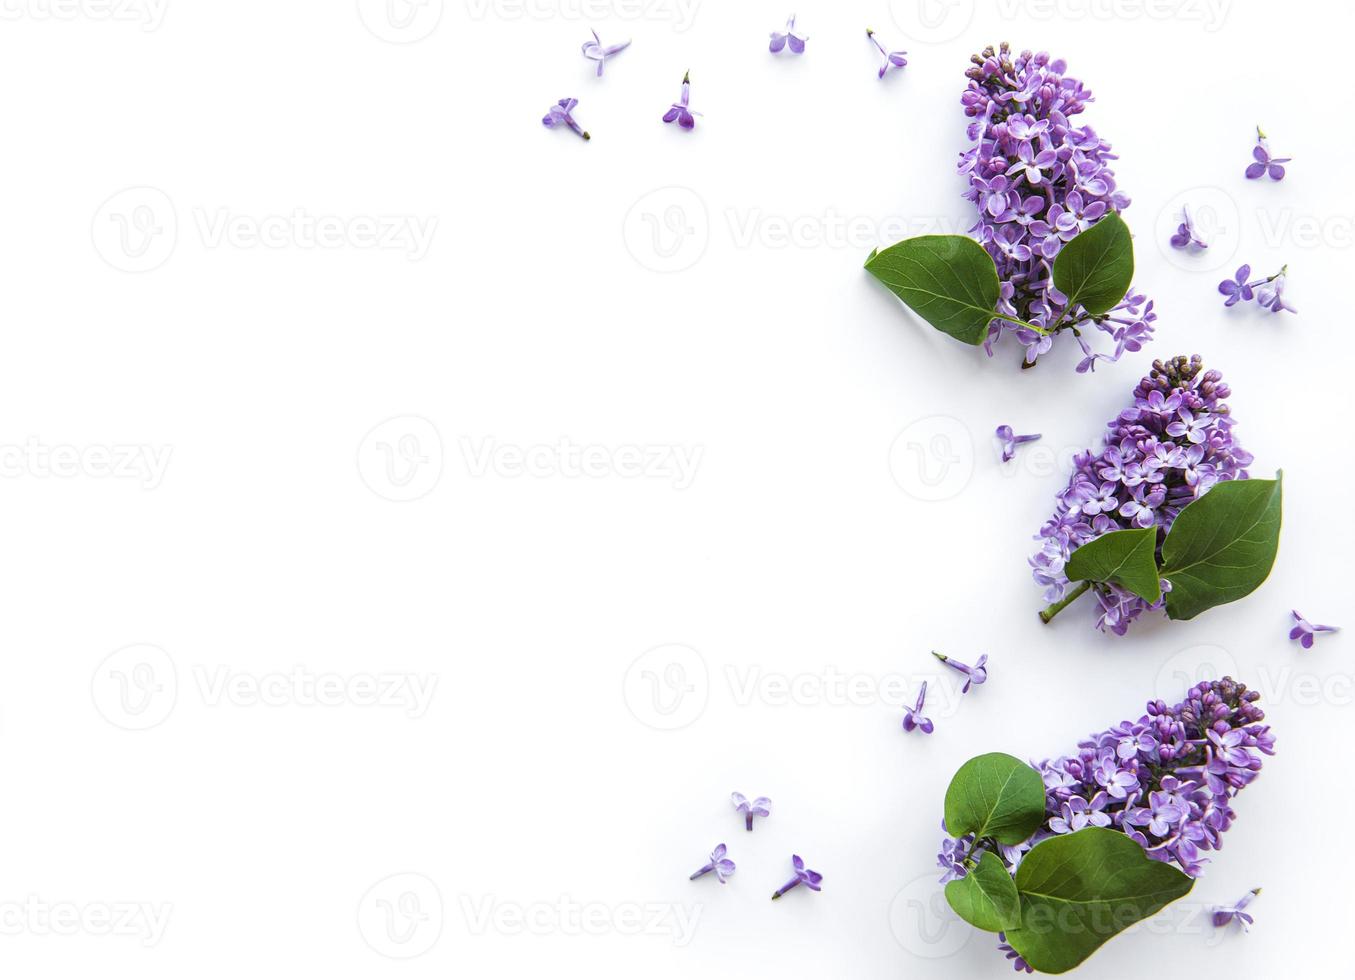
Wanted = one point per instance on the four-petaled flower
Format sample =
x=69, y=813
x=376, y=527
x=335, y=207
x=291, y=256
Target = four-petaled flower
x=1076, y=813
x=892, y=59
x=679, y=110
x=1226, y=914
x=790, y=39
x=595, y=50
x=1010, y=441
x=1237, y=288
x=1305, y=632
x=1186, y=236
x=761, y=807
x=803, y=876
x=912, y=717
x=560, y=115
x=973, y=675
x=1264, y=162
x=721, y=865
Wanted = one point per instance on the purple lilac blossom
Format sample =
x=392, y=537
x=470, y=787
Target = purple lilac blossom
x=803, y=876
x=560, y=115
x=721, y=865
x=892, y=59
x=1186, y=236
x=1173, y=444
x=1226, y=914
x=973, y=675
x=761, y=807
x=1267, y=291
x=1038, y=181
x=912, y=717
x=1185, y=764
x=790, y=39
x=1264, y=163
x=595, y=50
x=1018, y=962
x=1305, y=632
x=678, y=110
x=1010, y=441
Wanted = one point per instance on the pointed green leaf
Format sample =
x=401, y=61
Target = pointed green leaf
x=1078, y=890
x=1097, y=267
x=995, y=795
x=1222, y=546
x=1127, y=558
x=948, y=280
x=986, y=897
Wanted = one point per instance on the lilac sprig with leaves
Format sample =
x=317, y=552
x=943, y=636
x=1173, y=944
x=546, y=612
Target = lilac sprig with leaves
x=1164, y=516
x=1059, y=857
x=1050, y=253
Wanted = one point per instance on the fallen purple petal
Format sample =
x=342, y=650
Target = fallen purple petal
x=973, y=675
x=1306, y=632
x=913, y=719
x=892, y=59
x=1010, y=441
x=721, y=865
x=803, y=876
x=760, y=807
x=595, y=50
x=560, y=115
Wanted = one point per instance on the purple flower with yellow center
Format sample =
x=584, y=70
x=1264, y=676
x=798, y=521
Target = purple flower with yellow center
x=912, y=717
x=1264, y=163
x=803, y=876
x=1186, y=236
x=892, y=59
x=973, y=675
x=560, y=114
x=789, y=39
x=679, y=111
x=721, y=865
x=1223, y=915
x=761, y=807
x=1306, y=632
x=1010, y=441
x=595, y=50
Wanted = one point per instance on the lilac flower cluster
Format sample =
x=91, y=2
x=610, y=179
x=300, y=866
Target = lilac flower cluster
x=1038, y=182
x=1169, y=447
x=1166, y=780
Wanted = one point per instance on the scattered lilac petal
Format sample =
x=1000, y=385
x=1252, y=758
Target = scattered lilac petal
x=1010, y=441
x=803, y=876
x=912, y=717
x=560, y=115
x=721, y=865
x=1186, y=236
x=1306, y=632
x=1223, y=915
x=789, y=39
x=1263, y=162
x=973, y=675
x=595, y=50
x=760, y=807
x=679, y=111
x=892, y=59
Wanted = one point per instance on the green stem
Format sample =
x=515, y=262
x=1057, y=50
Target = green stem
x=1020, y=323
x=1047, y=614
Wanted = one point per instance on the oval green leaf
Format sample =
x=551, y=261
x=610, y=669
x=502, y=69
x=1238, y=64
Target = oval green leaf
x=1080, y=889
x=948, y=280
x=1096, y=268
x=995, y=795
x=1127, y=558
x=1222, y=546
x=986, y=897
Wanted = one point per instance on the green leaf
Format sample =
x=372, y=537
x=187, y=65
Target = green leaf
x=1078, y=890
x=986, y=897
x=1222, y=546
x=948, y=280
x=1097, y=267
x=1127, y=558
x=995, y=795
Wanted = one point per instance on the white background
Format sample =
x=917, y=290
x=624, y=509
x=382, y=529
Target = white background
x=540, y=814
